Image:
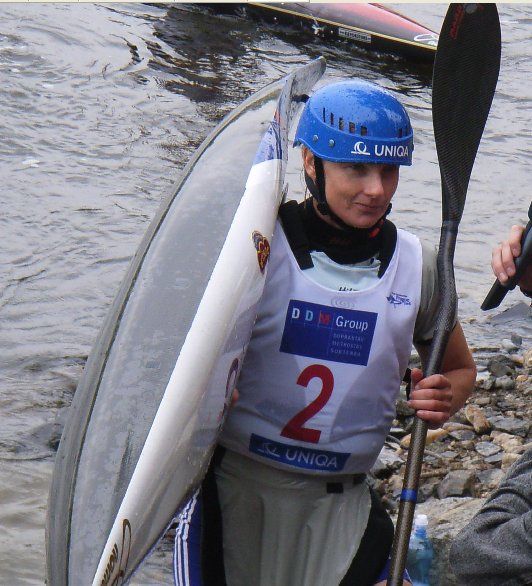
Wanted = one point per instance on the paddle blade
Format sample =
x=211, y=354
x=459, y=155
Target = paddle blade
x=466, y=69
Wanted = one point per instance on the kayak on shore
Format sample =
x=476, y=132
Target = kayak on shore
x=371, y=26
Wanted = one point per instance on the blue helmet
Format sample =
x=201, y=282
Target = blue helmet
x=356, y=121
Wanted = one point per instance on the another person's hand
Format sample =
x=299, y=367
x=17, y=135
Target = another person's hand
x=502, y=259
x=431, y=397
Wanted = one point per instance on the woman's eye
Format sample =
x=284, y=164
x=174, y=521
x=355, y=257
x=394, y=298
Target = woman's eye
x=389, y=169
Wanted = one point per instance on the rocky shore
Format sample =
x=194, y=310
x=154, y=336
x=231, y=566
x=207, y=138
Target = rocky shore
x=464, y=461
x=467, y=458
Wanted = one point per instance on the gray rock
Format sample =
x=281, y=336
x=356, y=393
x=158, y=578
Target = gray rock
x=510, y=425
x=517, y=340
x=487, y=448
x=504, y=382
x=475, y=415
x=491, y=478
x=501, y=365
x=427, y=489
x=508, y=460
x=509, y=346
x=386, y=463
x=494, y=459
x=482, y=401
x=486, y=383
x=457, y=483
x=505, y=405
x=509, y=443
x=462, y=434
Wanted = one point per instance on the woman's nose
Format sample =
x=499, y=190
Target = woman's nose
x=374, y=184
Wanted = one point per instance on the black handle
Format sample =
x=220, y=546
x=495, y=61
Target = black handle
x=498, y=291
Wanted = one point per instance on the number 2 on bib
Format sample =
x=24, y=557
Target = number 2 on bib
x=294, y=428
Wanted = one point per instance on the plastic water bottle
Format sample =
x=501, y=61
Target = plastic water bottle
x=420, y=553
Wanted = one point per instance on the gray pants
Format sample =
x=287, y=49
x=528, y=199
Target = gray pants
x=283, y=528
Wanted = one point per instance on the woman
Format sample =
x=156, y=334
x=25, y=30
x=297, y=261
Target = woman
x=346, y=294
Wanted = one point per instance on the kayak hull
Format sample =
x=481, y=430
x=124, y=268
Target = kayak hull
x=370, y=26
x=147, y=412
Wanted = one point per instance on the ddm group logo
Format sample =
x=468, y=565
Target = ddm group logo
x=328, y=333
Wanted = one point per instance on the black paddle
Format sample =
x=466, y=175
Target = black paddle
x=466, y=68
x=498, y=291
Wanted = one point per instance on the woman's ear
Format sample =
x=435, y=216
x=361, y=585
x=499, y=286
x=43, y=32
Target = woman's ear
x=308, y=163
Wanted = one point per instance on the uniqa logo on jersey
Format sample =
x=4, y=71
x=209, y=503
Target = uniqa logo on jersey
x=384, y=151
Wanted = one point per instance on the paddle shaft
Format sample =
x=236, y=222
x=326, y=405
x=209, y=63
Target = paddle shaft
x=414, y=462
x=465, y=74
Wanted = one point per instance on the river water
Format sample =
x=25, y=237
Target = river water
x=102, y=105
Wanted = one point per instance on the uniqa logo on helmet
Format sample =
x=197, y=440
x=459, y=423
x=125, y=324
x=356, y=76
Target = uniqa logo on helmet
x=360, y=149
x=381, y=150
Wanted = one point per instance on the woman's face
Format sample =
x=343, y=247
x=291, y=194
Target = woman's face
x=359, y=194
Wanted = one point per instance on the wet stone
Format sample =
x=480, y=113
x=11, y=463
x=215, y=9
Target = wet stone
x=527, y=358
x=490, y=478
x=509, y=346
x=487, y=383
x=387, y=461
x=483, y=401
x=482, y=376
x=456, y=483
x=492, y=410
x=487, y=448
x=476, y=417
x=507, y=441
x=459, y=417
x=462, y=434
x=505, y=405
x=427, y=490
x=508, y=460
x=517, y=340
x=501, y=365
x=517, y=360
x=504, y=382
x=495, y=459
x=430, y=459
x=467, y=445
x=510, y=425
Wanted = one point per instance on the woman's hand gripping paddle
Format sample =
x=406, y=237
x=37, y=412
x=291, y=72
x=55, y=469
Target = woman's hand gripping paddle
x=465, y=74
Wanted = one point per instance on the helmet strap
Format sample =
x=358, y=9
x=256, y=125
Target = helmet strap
x=317, y=190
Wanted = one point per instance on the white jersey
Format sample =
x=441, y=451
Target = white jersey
x=323, y=367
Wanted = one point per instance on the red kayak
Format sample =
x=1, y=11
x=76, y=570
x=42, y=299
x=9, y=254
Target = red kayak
x=372, y=26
